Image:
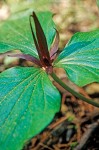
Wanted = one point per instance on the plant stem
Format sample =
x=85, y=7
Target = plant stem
x=78, y=95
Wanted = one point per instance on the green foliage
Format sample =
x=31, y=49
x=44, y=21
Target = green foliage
x=16, y=33
x=28, y=103
x=97, y=3
x=23, y=5
x=80, y=58
x=28, y=99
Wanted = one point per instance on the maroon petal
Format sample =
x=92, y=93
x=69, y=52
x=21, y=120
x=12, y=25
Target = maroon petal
x=34, y=38
x=54, y=48
x=27, y=57
x=43, y=52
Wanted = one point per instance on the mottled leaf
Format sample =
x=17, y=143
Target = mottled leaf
x=28, y=103
x=80, y=58
x=16, y=33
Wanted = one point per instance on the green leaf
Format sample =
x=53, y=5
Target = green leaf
x=97, y=1
x=80, y=58
x=16, y=33
x=28, y=103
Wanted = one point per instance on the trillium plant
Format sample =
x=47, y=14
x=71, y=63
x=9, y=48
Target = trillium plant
x=28, y=98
